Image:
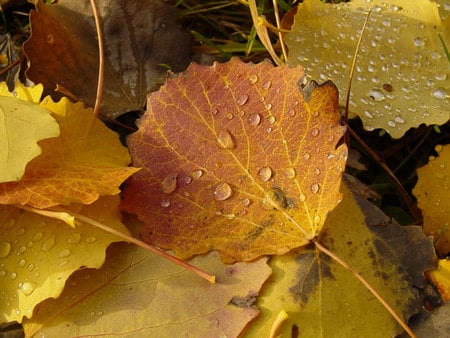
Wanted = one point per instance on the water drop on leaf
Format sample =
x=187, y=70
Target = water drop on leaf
x=439, y=93
x=225, y=140
x=169, y=183
x=266, y=85
x=265, y=174
x=28, y=288
x=48, y=244
x=165, y=203
x=315, y=131
x=253, y=79
x=254, y=119
x=290, y=172
x=314, y=188
x=5, y=249
x=242, y=100
x=196, y=174
x=222, y=192
x=64, y=253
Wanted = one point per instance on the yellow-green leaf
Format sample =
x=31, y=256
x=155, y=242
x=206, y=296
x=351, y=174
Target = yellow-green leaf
x=38, y=254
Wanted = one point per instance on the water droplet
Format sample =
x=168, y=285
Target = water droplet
x=225, y=140
x=439, y=93
x=246, y=202
x=38, y=236
x=21, y=263
x=169, y=183
x=254, y=119
x=5, y=249
x=91, y=239
x=13, y=275
x=266, y=85
x=64, y=253
x=368, y=114
x=302, y=197
x=187, y=179
x=229, y=116
x=214, y=111
x=2, y=273
x=268, y=106
x=42, y=224
x=391, y=124
x=317, y=171
x=316, y=219
x=399, y=119
x=419, y=42
x=22, y=249
x=275, y=197
x=242, y=100
x=196, y=174
x=271, y=119
x=315, y=188
x=222, y=192
x=165, y=203
x=30, y=267
x=28, y=288
x=253, y=78
x=74, y=238
x=307, y=156
x=290, y=172
x=265, y=174
x=315, y=132
x=376, y=95
x=48, y=244
x=291, y=112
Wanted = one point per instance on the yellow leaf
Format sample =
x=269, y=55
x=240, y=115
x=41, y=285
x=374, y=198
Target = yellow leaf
x=137, y=293
x=441, y=278
x=38, y=254
x=432, y=192
x=22, y=125
x=324, y=300
x=84, y=162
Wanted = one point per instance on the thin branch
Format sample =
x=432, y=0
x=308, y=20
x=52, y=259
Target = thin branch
x=101, y=66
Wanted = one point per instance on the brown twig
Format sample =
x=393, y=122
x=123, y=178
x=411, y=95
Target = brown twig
x=101, y=66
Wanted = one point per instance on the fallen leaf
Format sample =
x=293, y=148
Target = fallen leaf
x=433, y=324
x=22, y=125
x=431, y=191
x=401, y=78
x=236, y=158
x=142, y=40
x=38, y=254
x=441, y=278
x=160, y=298
x=323, y=299
x=84, y=162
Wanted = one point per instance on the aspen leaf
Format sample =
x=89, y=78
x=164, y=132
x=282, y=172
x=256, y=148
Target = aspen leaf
x=160, y=298
x=323, y=299
x=441, y=278
x=401, y=77
x=84, y=162
x=431, y=191
x=38, y=254
x=139, y=37
x=22, y=125
x=236, y=158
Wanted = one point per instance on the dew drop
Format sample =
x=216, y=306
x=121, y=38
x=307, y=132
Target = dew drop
x=222, y=191
x=302, y=197
x=368, y=114
x=21, y=263
x=315, y=188
x=376, y=95
x=13, y=275
x=30, y=267
x=419, y=42
x=214, y=111
x=307, y=156
x=165, y=203
x=254, y=119
x=9, y=223
x=187, y=179
x=91, y=239
x=229, y=116
x=271, y=119
x=242, y=100
x=268, y=106
x=265, y=174
x=246, y=202
x=196, y=174
x=439, y=93
x=5, y=249
x=315, y=131
x=290, y=172
x=274, y=197
x=2, y=273
x=169, y=183
x=266, y=85
x=225, y=140
x=291, y=112
x=399, y=119
x=64, y=253
x=391, y=124
x=28, y=288
x=48, y=244
x=22, y=249
x=74, y=238
x=253, y=78
x=317, y=171
x=316, y=219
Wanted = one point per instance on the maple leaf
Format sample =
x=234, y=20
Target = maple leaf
x=23, y=124
x=401, y=77
x=431, y=191
x=84, y=162
x=134, y=283
x=38, y=254
x=324, y=300
x=140, y=37
x=237, y=159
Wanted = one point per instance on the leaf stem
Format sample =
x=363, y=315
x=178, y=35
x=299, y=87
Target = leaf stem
x=367, y=285
x=160, y=252
x=101, y=66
